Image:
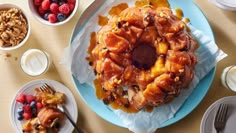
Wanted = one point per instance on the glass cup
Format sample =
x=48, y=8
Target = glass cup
x=35, y=62
x=228, y=78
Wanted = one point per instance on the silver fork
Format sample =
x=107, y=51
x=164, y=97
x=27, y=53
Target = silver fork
x=46, y=88
x=220, y=118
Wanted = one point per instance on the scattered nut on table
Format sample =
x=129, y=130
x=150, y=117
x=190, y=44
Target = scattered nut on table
x=13, y=27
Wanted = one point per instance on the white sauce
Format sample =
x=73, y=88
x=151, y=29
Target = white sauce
x=35, y=62
x=228, y=77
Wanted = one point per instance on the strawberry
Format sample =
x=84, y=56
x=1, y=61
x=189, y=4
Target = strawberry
x=27, y=116
x=30, y=98
x=21, y=98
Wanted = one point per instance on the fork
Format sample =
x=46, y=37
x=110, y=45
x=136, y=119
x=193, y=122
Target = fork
x=220, y=118
x=48, y=89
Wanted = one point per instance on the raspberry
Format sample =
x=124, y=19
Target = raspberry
x=37, y=2
x=41, y=11
x=21, y=98
x=39, y=105
x=52, y=18
x=45, y=4
x=72, y=6
x=27, y=116
x=71, y=1
x=65, y=9
x=54, y=7
x=27, y=108
x=30, y=98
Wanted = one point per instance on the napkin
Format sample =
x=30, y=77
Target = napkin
x=142, y=122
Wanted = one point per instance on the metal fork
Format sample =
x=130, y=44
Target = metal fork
x=46, y=88
x=220, y=118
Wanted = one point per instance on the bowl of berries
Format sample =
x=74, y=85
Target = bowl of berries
x=53, y=12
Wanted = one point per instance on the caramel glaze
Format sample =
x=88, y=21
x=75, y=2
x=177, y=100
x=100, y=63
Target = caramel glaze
x=102, y=20
x=119, y=101
x=153, y=3
x=116, y=100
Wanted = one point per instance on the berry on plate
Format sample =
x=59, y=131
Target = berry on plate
x=20, y=111
x=21, y=98
x=27, y=116
x=27, y=108
x=20, y=117
x=30, y=98
x=39, y=105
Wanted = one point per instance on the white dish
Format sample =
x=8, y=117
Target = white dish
x=28, y=88
x=207, y=123
x=229, y=3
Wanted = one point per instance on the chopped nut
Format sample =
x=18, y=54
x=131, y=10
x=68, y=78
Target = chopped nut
x=13, y=27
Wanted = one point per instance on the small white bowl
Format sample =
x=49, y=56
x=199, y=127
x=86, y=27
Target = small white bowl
x=8, y=6
x=35, y=13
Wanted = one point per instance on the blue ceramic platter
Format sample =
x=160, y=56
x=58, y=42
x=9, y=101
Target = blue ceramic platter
x=197, y=19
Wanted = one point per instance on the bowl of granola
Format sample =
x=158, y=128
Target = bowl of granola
x=14, y=27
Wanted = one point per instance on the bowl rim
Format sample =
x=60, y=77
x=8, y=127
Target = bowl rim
x=10, y=5
x=36, y=15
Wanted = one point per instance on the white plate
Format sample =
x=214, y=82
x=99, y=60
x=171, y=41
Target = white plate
x=207, y=123
x=228, y=4
x=28, y=88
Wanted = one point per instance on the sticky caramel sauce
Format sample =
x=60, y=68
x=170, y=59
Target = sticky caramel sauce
x=154, y=3
x=186, y=20
x=118, y=103
x=92, y=45
x=116, y=10
x=179, y=13
x=102, y=20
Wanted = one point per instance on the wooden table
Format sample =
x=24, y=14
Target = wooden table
x=54, y=39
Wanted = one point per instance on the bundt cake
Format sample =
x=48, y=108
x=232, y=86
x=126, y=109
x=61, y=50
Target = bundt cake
x=143, y=57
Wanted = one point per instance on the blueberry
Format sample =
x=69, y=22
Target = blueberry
x=33, y=104
x=61, y=17
x=61, y=3
x=20, y=111
x=54, y=1
x=34, y=112
x=20, y=117
x=45, y=16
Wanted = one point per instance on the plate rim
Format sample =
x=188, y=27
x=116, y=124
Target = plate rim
x=35, y=82
x=210, y=75
x=211, y=108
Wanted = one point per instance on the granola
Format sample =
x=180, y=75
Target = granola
x=13, y=27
